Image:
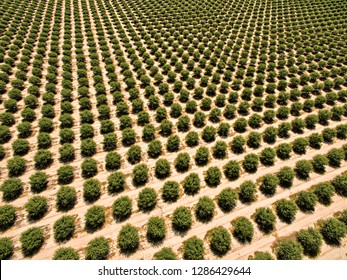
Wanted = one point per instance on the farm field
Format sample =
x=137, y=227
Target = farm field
x=173, y=129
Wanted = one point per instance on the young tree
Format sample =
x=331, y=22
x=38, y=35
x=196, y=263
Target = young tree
x=65, y=174
x=36, y=207
x=7, y=216
x=335, y=156
x=202, y=156
x=193, y=249
x=98, y=249
x=11, y=189
x=261, y=256
x=311, y=241
x=247, y=192
x=267, y=156
x=306, y=201
x=250, y=163
x=300, y=145
x=64, y=228
x=16, y=166
x=303, y=168
x=265, y=219
x=213, y=176
x=6, y=248
x=94, y=218
x=147, y=199
x=219, y=151
x=269, y=184
x=232, y=170
x=38, y=182
x=165, y=254
x=128, y=239
x=181, y=219
x=31, y=240
x=170, y=191
x=173, y=143
x=67, y=253
x=288, y=250
x=286, y=210
x=324, y=193
x=66, y=198
x=140, y=174
x=285, y=176
x=333, y=230
x=156, y=229
x=162, y=169
x=204, y=210
x=89, y=168
x=243, y=230
x=340, y=185
x=122, y=208
x=113, y=161
x=182, y=162
x=237, y=144
x=227, y=199
x=220, y=241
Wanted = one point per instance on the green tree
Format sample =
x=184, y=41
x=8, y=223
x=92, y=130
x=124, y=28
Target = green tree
x=128, y=239
x=250, y=163
x=16, y=166
x=340, y=185
x=36, y=207
x=232, y=170
x=261, y=256
x=205, y=208
x=288, y=250
x=162, y=169
x=94, y=218
x=11, y=189
x=247, y=192
x=147, y=199
x=165, y=254
x=7, y=216
x=98, y=249
x=193, y=249
x=333, y=230
x=306, y=201
x=285, y=176
x=202, y=156
x=170, y=191
x=156, y=229
x=324, y=193
x=38, y=182
x=67, y=253
x=182, y=162
x=64, y=228
x=227, y=199
x=303, y=168
x=213, y=176
x=6, y=248
x=265, y=219
x=311, y=241
x=267, y=156
x=243, y=230
x=140, y=174
x=116, y=182
x=286, y=210
x=181, y=219
x=269, y=184
x=89, y=168
x=122, y=208
x=66, y=198
x=31, y=240
x=220, y=241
